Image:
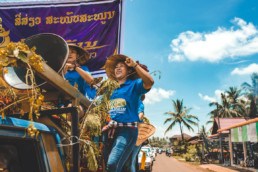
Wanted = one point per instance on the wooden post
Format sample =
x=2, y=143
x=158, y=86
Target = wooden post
x=230, y=148
x=245, y=152
x=75, y=134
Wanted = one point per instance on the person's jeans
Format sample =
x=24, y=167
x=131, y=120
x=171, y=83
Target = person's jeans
x=134, y=158
x=131, y=164
x=120, y=148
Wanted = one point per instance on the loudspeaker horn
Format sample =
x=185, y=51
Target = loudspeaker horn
x=52, y=48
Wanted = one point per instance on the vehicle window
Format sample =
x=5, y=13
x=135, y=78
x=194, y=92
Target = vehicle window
x=20, y=155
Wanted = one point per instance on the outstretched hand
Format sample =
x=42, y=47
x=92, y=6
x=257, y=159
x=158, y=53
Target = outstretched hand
x=130, y=62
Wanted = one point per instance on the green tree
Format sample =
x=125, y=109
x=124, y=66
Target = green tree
x=252, y=94
x=203, y=132
x=234, y=96
x=181, y=117
x=233, y=93
x=225, y=109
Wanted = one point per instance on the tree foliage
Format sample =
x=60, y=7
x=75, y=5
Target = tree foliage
x=180, y=116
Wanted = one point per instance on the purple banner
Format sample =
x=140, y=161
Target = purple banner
x=94, y=27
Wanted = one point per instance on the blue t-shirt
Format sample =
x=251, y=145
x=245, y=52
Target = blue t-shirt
x=74, y=77
x=129, y=92
x=140, y=108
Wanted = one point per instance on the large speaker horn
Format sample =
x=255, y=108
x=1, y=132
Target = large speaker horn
x=52, y=48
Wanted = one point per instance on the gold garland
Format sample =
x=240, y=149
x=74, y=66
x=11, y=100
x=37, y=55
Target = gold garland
x=20, y=55
x=95, y=119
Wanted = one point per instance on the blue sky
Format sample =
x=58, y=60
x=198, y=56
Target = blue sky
x=201, y=47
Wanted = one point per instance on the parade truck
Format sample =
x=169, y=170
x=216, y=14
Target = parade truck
x=32, y=137
x=34, y=37
x=20, y=152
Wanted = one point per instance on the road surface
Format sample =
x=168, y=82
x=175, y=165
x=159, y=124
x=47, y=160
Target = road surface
x=164, y=163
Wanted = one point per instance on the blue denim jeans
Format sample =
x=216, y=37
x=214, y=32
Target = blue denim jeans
x=135, y=158
x=118, y=150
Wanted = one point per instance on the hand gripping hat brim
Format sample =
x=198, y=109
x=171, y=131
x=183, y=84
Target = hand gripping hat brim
x=144, y=132
x=84, y=55
x=111, y=64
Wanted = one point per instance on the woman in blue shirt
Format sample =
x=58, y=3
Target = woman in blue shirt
x=75, y=71
x=134, y=81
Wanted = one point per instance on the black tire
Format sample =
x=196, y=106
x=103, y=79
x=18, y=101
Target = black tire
x=150, y=170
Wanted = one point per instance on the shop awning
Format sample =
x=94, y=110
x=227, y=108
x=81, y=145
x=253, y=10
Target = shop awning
x=243, y=132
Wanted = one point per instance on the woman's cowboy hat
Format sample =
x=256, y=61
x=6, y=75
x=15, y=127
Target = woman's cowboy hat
x=83, y=57
x=144, y=132
x=112, y=62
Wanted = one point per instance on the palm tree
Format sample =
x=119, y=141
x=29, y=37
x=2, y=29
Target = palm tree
x=203, y=131
x=225, y=109
x=252, y=94
x=213, y=115
x=181, y=117
x=234, y=96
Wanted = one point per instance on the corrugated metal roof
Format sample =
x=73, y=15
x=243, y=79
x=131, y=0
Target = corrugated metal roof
x=240, y=124
x=225, y=122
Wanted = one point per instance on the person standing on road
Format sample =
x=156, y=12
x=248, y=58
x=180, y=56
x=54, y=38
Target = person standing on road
x=126, y=72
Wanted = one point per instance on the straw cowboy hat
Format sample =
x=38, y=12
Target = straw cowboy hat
x=144, y=132
x=83, y=57
x=112, y=62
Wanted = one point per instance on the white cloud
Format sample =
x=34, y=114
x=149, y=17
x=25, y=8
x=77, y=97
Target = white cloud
x=239, y=40
x=244, y=98
x=215, y=98
x=207, y=98
x=218, y=94
x=252, y=68
x=157, y=94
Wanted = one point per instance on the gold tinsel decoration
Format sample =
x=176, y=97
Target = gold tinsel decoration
x=94, y=120
x=92, y=161
x=102, y=108
x=145, y=120
x=19, y=54
x=92, y=125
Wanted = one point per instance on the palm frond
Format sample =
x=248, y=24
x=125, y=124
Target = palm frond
x=187, y=125
x=170, y=126
x=169, y=119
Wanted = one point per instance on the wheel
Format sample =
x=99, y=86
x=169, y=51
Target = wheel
x=150, y=168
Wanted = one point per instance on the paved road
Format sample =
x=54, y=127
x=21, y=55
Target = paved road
x=164, y=163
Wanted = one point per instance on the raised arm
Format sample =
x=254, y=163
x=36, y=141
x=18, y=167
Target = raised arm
x=144, y=75
x=85, y=75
